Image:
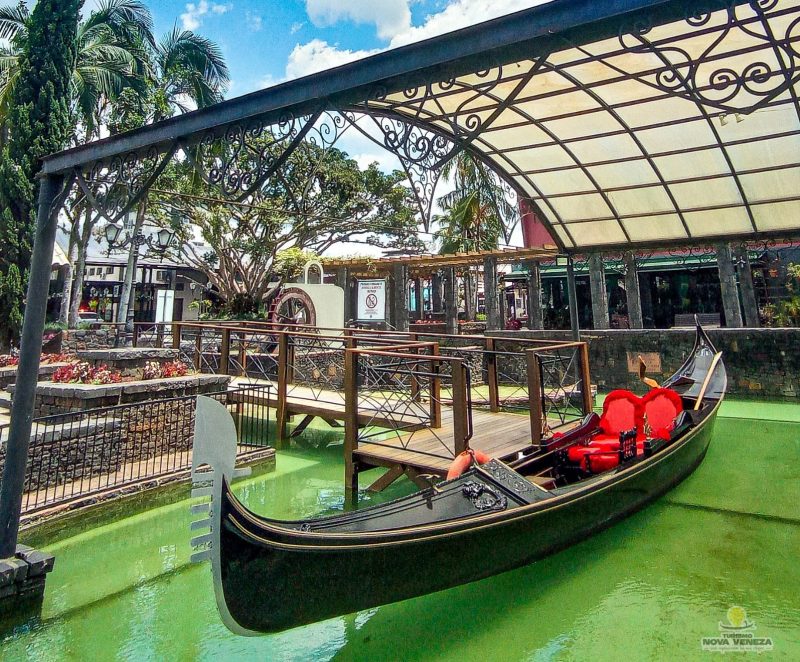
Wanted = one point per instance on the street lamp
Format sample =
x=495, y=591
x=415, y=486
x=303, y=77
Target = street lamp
x=118, y=238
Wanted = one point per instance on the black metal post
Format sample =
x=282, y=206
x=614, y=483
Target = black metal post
x=28, y=371
x=572, y=294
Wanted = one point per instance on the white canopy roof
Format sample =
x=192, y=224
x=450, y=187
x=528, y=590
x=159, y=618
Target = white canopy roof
x=681, y=132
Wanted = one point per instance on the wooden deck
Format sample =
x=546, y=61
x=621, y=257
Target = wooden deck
x=416, y=448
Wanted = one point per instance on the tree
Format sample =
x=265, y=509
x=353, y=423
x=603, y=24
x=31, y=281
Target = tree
x=112, y=54
x=319, y=198
x=186, y=67
x=39, y=123
x=476, y=213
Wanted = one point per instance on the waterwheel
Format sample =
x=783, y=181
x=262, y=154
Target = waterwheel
x=292, y=307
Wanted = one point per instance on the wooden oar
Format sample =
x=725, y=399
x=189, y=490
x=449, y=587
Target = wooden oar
x=707, y=380
x=652, y=383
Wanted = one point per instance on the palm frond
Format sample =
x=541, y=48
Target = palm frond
x=12, y=20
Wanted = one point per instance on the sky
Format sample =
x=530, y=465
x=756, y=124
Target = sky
x=265, y=43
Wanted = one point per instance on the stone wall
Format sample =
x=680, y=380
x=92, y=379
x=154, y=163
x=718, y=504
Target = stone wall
x=760, y=362
x=75, y=449
x=129, y=361
x=75, y=340
x=64, y=398
x=8, y=375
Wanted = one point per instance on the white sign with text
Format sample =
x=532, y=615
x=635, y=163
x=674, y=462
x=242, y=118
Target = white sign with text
x=371, y=300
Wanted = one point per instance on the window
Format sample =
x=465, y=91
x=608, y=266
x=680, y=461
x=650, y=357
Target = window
x=91, y=271
x=109, y=270
x=180, y=287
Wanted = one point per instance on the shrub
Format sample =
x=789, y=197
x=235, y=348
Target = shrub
x=83, y=373
x=7, y=360
x=154, y=370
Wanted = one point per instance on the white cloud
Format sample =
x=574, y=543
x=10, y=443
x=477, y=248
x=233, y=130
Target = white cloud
x=459, y=14
x=389, y=16
x=296, y=27
x=254, y=21
x=191, y=19
x=318, y=55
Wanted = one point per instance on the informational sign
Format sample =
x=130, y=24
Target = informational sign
x=164, y=301
x=371, y=301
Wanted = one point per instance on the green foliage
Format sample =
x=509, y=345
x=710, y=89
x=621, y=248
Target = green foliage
x=289, y=263
x=476, y=211
x=39, y=123
x=785, y=313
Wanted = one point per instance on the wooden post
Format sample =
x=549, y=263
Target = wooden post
x=450, y=301
x=198, y=350
x=283, y=373
x=535, y=399
x=490, y=294
x=632, y=295
x=176, y=336
x=419, y=300
x=491, y=375
x=414, y=380
x=225, y=351
x=460, y=412
x=350, y=424
x=535, y=317
x=597, y=285
x=436, y=389
x=160, y=334
x=135, y=339
x=586, y=383
x=242, y=355
x=727, y=284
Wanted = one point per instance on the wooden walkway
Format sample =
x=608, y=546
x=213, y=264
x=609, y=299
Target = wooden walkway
x=408, y=445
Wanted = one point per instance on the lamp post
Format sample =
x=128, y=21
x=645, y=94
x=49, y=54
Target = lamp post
x=118, y=238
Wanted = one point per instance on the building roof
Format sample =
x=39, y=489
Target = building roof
x=626, y=122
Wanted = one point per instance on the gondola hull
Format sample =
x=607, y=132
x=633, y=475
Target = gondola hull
x=271, y=575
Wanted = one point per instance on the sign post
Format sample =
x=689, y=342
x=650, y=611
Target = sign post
x=371, y=301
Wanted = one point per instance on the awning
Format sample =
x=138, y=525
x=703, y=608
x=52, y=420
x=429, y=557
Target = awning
x=626, y=122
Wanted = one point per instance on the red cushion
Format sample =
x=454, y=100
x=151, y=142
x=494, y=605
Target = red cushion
x=622, y=411
x=661, y=406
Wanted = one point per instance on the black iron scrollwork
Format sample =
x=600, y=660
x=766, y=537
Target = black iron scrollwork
x=484, y=497
x=715, y=74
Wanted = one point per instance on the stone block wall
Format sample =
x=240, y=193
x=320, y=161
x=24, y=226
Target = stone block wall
x=73, y=450
x=130, y=361
x=75, y=340
x=65, y=398
x=760, y=362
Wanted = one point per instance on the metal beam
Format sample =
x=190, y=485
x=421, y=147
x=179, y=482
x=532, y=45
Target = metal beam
x=533, y=31
x=28, y=371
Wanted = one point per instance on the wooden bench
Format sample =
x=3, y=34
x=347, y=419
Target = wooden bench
x=707, y=320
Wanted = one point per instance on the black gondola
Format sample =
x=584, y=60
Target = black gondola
x=271, y=575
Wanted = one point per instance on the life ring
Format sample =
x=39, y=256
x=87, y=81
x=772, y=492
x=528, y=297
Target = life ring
x=464, y=461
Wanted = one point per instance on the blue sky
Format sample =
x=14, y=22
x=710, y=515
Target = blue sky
x=267, y=42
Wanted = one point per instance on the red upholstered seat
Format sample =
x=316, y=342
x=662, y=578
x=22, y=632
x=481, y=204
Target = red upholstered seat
x=622, y=411
x=660, y=407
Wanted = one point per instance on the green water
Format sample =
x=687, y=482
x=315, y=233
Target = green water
x=649, y=588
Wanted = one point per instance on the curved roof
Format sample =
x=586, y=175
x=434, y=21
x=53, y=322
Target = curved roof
x=626, y=122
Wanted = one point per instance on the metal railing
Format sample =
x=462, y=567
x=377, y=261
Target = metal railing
x=78, y=454
x=394, y=400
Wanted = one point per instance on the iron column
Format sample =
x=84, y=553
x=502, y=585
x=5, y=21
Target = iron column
x=28, y=372
x=572, y=295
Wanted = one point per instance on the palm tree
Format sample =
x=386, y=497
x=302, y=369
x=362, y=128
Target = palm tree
x=112, y=46
x=186, y=70
x=477, y=214
x=113, y=54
